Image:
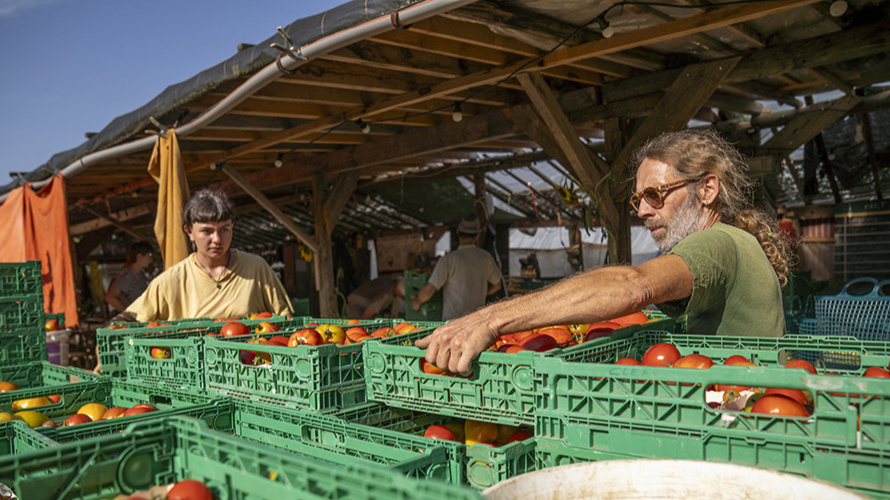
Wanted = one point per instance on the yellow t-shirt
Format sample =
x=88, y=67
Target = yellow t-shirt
x=186, y=291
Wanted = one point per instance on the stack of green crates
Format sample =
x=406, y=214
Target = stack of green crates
x=430, y=311
x=22, y=332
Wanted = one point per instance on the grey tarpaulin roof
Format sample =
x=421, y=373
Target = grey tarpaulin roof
x=302, y=32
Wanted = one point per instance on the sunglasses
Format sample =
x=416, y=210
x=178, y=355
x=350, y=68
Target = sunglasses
x=655, y=196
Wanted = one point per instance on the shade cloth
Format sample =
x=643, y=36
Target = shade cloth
x=166, y=168
x=34, y=226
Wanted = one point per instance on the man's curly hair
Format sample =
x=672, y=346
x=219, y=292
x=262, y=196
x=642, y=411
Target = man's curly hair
x=697, y=153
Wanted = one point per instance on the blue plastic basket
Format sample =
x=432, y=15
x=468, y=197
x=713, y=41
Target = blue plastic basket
x=866, y=317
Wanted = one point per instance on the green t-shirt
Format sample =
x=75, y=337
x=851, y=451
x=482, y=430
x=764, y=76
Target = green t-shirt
x=735, y=290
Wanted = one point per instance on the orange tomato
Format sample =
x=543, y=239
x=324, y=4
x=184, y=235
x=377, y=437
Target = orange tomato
x=637, y=318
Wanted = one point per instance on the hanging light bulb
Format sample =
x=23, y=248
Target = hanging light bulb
x=838, y=8
x=608, y=31
x=364, y=127
x=605, y=29
x=457, y=115
x=279, y=161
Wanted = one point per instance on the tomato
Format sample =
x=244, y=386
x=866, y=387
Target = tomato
x=279, y=339
x=113, y=412
x=261, y=315
x=140, y=409
x=52, y=325
x=662, y=354
x=637, y=318
x=795, y=394
x=511, y=348
x=519, y=435
x=266, y=327
x=55, y=398
x=353, y=334
x=152, y=324
x=562, y=336
x=431, y=369
x=696, y=361
x=225, y=320
x=383, y=333
x=189, y=489
x=539, y=342
x=439, y=432
x=779, y=405
x=628, y=361
x=77, y=419
x=736, y=359
x=332, y=334
x=504, y=433
x=93, y=410
x=354, y=322
x=24, y=404
x=7, y=386
x=799, y=363
x=877, y=372
x=306, y=336
x=161, y=352
x=480, y=432
x=403, y=327
x=233, y=329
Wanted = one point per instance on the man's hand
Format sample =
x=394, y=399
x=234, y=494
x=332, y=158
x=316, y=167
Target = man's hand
x=415, y=304
x=454, y=345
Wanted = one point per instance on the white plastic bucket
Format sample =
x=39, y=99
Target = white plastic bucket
x=57, y=347
x=653, y=478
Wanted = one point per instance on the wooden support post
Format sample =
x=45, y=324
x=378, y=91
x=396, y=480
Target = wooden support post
x=324, y=258
x=479, y=206
x=872, y=156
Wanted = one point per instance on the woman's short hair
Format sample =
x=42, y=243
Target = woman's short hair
x=136, y=249
x=207, y=206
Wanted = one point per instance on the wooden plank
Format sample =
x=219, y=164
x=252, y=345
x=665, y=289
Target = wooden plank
x=805, y=127
x=340, y=194
x=579, y=159
x=270, y=207
x=323, y=257
x=120, y=216
x=683, y=99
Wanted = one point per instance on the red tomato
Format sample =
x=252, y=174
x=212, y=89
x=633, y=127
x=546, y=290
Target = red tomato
x=562, y=336
x=261, y=315
x=189, y=489
x=306, y=336
x=662, y=354
x=233, y=329
x=55, y=398
x=77, y=419
x=799, y=363
x=511, y=348
x=266, y=327
x=138, y=410
x=383, y=332
x=735, y=359
x=628, y=361
x=779, y=405
x=439, y=432
x=795, y=394
x=876, y=371
x=603, y=330
x=519, y=435
x=697, y=361
x=539, y=342
x=637, y=318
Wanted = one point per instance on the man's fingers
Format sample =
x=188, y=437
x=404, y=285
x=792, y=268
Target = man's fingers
x=424, y=342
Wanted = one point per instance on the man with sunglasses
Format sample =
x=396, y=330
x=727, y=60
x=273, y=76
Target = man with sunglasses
x=723, y=261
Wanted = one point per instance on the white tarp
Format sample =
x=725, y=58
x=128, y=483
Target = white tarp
x=550, y=245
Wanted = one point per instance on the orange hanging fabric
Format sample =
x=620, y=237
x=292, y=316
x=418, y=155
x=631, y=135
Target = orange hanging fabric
x=34, y=226
x=166, y=168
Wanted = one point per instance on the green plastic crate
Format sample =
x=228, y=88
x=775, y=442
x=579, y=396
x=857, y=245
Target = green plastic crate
x=16, y=437
x=432, y=309
x=184, y=369
x=21, y=278
x=112, y=343
x=42, y=373
x=334, y=440
x=162, y=452
x=109, y=392
x=326, y=378
x=499, y=390
x=865, y=317
x=648, y=412
x=480, y=465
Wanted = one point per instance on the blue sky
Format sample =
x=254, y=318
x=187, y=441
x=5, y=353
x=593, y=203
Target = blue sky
x=71, y=66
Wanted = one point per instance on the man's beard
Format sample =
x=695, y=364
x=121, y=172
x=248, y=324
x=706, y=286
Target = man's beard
x=686, y=221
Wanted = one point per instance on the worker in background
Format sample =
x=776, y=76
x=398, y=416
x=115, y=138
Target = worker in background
x=723, y=266
x=215, y=281
x=132, y=280
x=382, y=296
x=467, y=275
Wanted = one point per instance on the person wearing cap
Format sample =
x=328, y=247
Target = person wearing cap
x=723, y=264
x=372, y=299
x=467, y=275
